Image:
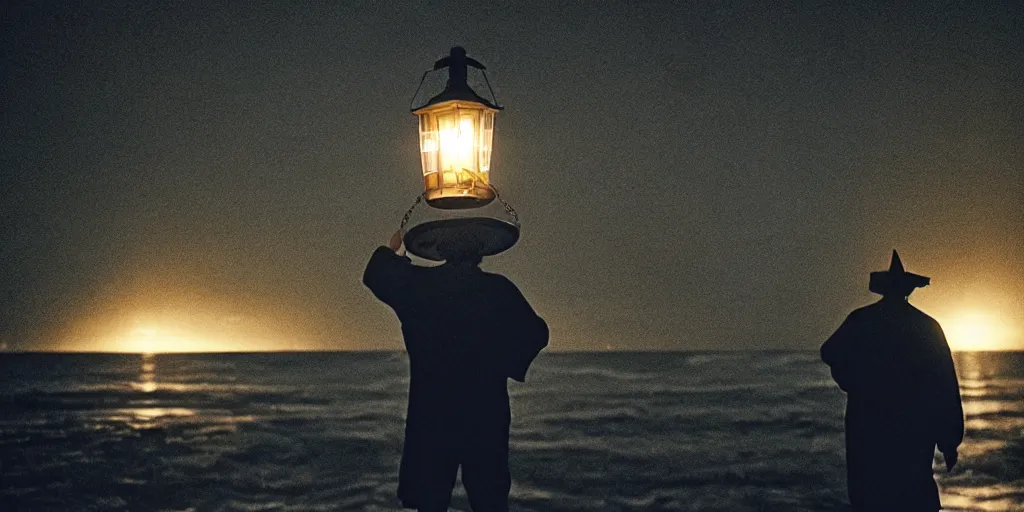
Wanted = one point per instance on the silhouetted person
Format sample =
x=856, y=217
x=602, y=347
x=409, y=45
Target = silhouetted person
x=466, y=332
x=902, y=397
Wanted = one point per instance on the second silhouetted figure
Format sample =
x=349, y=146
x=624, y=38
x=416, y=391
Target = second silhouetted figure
x=466, y=332
x=902, y=397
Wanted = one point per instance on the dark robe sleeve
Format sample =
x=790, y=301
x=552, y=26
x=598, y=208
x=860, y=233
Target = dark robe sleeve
x=523, y=333
x=388, y=275
x=951, y=412
x=836, y=352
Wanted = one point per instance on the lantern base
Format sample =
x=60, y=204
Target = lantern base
x=481, y=235
x=460, y=199
x=459, y=203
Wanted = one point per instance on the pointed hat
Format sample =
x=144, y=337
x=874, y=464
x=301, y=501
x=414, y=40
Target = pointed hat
x=896, y=279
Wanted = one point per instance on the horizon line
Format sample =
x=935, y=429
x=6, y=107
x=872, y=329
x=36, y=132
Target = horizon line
x=392, y=351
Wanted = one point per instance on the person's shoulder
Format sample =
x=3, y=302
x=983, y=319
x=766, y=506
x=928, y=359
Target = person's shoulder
x=916, y=312
x=433, y=273
x=865, y=311
x=498, y=281
x=922, y=317
x=495, y=277
x=492, y=275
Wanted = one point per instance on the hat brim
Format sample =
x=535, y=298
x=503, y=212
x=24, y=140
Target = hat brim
x=480, y=235
x=884, y=282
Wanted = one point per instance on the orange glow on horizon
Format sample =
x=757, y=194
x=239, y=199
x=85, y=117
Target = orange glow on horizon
x=179, y=333
x=151, y=339
x=974, y=329
x=168, y=313
x=976, y=313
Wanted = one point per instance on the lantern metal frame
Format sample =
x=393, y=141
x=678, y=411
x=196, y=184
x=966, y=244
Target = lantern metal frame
x=455, y=158
x=468, y=187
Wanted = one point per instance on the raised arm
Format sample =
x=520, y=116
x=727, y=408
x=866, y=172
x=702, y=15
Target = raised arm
x=388, y=274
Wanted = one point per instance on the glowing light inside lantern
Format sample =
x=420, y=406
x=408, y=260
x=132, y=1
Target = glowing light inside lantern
x=455, y=148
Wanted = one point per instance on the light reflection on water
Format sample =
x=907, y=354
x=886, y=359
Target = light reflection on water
x=323, y=431
x=147, y=375
x=144, y=417
x=976, y=502
x=991, y=385
x=153, y=413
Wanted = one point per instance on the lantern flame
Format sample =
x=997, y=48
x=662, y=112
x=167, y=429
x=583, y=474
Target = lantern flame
x=455, y=147
x=456, y=128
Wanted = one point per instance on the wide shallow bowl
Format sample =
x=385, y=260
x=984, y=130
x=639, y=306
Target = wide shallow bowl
x=485, y=235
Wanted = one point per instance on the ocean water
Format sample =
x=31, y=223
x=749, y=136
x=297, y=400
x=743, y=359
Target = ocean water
x=591, y=432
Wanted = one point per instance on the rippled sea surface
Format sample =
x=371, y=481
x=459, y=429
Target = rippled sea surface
x=595, y=432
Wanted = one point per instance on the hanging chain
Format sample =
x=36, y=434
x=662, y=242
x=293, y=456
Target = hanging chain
x=508, y=208
x=408, y=213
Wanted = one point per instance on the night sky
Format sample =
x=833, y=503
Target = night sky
x=690, y=175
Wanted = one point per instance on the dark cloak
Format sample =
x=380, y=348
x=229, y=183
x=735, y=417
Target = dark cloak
x=466, y=332
x=902, y=400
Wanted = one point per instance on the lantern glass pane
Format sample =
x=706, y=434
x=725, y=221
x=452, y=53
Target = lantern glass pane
x=455, y=151
x=428, y=144
x=486, y=135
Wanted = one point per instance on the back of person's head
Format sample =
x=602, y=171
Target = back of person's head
x=901, y=294
x=464, y=259
x=897, y=294
x=461, y=254
x=897, y=291
x=896, y=283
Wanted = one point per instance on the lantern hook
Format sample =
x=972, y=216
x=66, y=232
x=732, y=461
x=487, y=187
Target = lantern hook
x=457, y=88
x=447, y=61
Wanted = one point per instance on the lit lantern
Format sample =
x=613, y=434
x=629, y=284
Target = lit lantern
x=456, y=133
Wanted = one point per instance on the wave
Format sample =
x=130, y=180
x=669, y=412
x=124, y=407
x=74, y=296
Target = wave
x=693, y=431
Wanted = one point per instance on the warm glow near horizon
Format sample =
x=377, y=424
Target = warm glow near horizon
x=179, y=333
x=979, y=330
x=975, y=314
x=153, y=339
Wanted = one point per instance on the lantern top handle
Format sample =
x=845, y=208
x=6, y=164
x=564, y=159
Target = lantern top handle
x=457, y=88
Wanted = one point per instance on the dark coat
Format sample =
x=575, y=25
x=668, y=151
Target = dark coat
x=902, y=400
x=466, y=332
